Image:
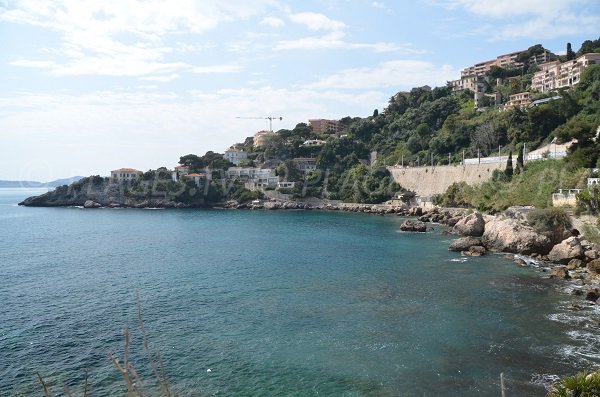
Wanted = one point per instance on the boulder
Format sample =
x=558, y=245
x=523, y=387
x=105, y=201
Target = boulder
x=591, y=254
x=464, y=243
x=91, y=204
x=574, y=264
x=560, y=272
x=424, y=218
x=413, y=226
x=471, y=225
x=509, y=235
x=453, y=221
x=566, y=250
x=594, y=266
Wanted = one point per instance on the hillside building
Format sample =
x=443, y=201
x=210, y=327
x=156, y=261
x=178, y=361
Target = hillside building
x=259, y=137
x=555, y=75
x=323, y=126
x=125, y=174
x=235, y=155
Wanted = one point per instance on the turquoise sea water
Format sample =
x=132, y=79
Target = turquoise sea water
x=257, y=303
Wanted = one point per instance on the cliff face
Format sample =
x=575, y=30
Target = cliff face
x=107, y=193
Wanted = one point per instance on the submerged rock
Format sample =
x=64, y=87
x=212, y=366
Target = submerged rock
x=560, y=272
x=476, y=250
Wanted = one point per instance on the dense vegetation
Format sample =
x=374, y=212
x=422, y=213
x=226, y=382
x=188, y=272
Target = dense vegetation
x=424, y=126
x=533, y=186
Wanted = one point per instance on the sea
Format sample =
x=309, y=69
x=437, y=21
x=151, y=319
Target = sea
x=272, y=303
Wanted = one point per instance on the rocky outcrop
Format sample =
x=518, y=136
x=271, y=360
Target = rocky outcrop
x=509, y=235
x=471, y=225
x=476, y=250
x=413, y=226
x=91, y=204
x=96, y=192
x=464, y=243
x=566, y=250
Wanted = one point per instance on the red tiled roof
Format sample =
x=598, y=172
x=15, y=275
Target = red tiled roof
x=182, y=166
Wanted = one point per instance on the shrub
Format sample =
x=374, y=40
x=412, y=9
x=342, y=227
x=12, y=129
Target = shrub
x=583, y=384
x=551, y=222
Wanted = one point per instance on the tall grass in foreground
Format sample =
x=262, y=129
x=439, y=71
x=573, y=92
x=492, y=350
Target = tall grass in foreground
x=133, y=382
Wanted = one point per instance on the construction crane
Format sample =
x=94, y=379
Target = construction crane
x=270, y=118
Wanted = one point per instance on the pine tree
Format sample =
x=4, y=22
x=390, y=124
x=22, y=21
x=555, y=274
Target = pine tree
x=509, y=167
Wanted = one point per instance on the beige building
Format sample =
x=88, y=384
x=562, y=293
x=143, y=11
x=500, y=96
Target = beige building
x=259, y=137
x=323, y=126
x=554, y=75
x=471, y=78
x=520, y=100
x=125, y=174
x=545, y=79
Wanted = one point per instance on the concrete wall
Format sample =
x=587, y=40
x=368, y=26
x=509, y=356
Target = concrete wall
x=427, y=181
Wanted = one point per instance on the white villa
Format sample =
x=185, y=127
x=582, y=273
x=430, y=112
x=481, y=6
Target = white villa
x=235, y=155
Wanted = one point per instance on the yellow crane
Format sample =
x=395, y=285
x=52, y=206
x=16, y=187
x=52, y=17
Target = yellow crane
x=270, y=118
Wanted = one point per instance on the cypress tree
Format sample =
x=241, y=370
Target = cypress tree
x=509, y=167
x=520, y=165
x=570, y=52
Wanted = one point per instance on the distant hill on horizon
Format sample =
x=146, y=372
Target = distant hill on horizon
x=34, y=184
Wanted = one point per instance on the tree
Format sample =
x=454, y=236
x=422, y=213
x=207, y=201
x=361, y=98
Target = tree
x=192, y=161
x=570, y=52
x=375, y=113
x=520, y=165
x=509, y=166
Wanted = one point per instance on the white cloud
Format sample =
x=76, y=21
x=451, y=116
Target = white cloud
x=162, y=79
x=399, y=74
x=507, y=8
x=121, y=37
x=217, y=69
x=316, y=21
x=377, y=4
x=335, y=40
x=272, y=22
x=533, y=18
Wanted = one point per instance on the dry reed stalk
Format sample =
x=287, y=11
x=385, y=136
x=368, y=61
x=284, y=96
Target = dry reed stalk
x=158, y=371
x=46, y=392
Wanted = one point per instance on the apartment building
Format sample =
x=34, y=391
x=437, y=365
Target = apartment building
x=472, y=77
x=323, y=126
x=520, y=100
x=554, y=75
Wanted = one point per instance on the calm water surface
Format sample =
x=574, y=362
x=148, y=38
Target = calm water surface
x=253, y=303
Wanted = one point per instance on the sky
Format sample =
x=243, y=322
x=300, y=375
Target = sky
x=90, y=86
